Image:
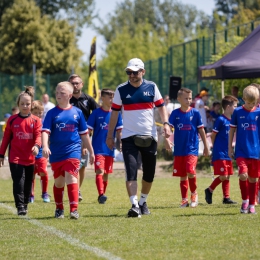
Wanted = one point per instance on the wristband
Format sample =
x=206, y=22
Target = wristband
x=166, y=123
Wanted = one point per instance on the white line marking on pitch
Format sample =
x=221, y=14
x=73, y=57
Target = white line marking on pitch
x=66, y=237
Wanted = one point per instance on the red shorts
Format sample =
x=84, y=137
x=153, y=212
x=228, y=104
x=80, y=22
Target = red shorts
x=223, y=167
x=70, y=165
x=40, y=166
x=251, y=166
x=184, y=164
x=103, y=162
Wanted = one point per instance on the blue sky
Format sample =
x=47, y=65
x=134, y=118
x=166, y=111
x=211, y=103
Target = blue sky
x=107, y=6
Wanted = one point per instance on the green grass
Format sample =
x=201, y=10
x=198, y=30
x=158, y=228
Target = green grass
x=214, y=231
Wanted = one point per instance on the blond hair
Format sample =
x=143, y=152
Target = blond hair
x=37, y=105
x=29, y=91
x=251, y=93
x=67, y=85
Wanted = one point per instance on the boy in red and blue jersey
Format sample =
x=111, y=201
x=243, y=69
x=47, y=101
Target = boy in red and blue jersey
x=245, y=121
x=222, y=163
x=187, y=125
x=66, y=128
x=104, y=157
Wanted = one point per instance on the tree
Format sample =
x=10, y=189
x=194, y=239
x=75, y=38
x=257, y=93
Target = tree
x=27, y=39
x=80, y=12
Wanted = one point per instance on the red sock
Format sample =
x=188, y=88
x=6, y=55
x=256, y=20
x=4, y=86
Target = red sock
x=73, y=194
x=44, y=183
x=252, y=190
x=244, y=189
x=192, y=183
x=184, y=189
x=225, y=188
x=215, y=183
x=99, y=183
x=58, y=196
x=32, y=190
x=105, y=185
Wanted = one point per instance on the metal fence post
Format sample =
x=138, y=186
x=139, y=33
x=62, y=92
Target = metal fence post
x=184, y=64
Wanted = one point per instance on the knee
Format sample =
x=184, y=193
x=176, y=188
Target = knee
x=148, y=177
x=224, y=178
x=243, y=176
x=252, y=180
x=191, y=176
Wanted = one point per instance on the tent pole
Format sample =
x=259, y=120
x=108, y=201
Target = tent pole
x=222, y=88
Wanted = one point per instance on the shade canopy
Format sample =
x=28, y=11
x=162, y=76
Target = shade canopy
x=242, y=62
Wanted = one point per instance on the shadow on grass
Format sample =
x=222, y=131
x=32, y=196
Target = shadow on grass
x=105, y=216
x=205, y=214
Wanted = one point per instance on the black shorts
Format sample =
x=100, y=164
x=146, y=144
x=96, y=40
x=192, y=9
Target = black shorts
x=130, y=154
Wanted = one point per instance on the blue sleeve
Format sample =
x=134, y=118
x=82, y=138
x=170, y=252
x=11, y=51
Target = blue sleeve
x=119, y=121
x=47, y=123
x=91, y=120
x=218, y=124
x=234, y=118
x=199, y=119
x=171, y=118
x=82, y=122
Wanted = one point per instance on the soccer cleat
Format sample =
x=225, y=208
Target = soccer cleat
x=208, y=196
x=251, y=210
x=21, y=211
x=102, y=199
x=144, y=209
x=74, y=214
x=31, y=199
x=184, y=204
x=80, y=196
x=244, y=208
x=194, y=200
x=59, y=213
x=228, y=201
x=134, y=212
x=46, y=197
x=26, y=208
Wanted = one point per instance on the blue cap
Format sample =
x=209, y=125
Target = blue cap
x=7, y=115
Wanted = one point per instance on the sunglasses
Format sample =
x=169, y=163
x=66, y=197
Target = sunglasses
x=134, y=72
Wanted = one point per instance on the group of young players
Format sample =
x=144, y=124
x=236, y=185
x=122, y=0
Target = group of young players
x=244, y=121
x=65, y=129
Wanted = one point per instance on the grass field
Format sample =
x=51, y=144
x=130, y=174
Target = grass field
x=214, y=231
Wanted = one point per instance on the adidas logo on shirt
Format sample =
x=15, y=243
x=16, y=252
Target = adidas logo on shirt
x=128, y=96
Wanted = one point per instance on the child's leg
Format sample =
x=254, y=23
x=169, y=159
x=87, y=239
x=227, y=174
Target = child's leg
x=225, y=187
x=73, y=190
x=184, y=185
x=58, y=189
x=44, y=182
x=33, y=185
x=215, y=183
x=99, y=181
x=29, y=174
x=252, y=184
x=192, y=182
x=105, y=181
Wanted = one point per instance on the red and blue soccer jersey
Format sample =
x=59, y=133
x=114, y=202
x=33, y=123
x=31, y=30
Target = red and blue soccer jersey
x=220, y=147
x=247, y=136
x=99, y=121
x=138, y=107
x=186, y=125
x=65, y=127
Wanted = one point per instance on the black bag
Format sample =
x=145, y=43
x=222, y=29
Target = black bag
x=143, y=140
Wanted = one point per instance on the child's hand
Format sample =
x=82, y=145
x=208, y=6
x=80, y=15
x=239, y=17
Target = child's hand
x=35, y=150
x=110, y=143
x=46, y=152
x=2, y=162
x=231, y=152
x=168, y=144
x=206, y=151
x=84, y=151
x=91, y=158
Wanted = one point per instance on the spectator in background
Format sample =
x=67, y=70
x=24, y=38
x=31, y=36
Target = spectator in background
x=198, y=97
x=6, y=116
x=210, y=121
x=200, y=105
x=234, y=92
x=15, y=110
x=215, y=110
x=168, y=104
x=47, y=105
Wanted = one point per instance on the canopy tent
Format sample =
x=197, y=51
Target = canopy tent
x=242, y=62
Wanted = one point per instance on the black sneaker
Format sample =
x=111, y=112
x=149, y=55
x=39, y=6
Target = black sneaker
x=134, y=212
x=208, y=196
x=228, y=201
x=26, y=208
x=59, y=213
x=144, y=209
x=102, y=199
x=21, y=211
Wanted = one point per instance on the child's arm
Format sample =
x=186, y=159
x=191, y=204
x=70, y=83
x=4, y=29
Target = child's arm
x=213, y=137
x=45, y=146
x=230, y=141
x=111, y=127
x=204, y=140
x=87, y=147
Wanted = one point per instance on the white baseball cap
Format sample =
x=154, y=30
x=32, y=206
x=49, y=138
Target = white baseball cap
x=135, y=64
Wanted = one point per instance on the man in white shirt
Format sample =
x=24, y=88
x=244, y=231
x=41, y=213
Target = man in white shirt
x=47, y=105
